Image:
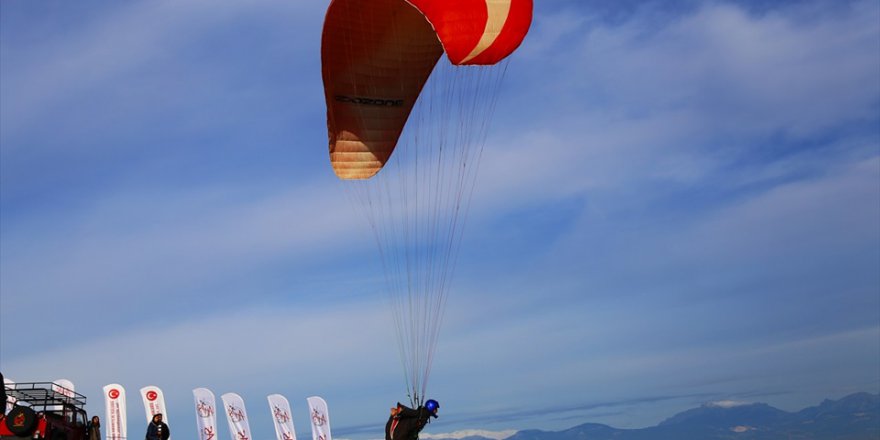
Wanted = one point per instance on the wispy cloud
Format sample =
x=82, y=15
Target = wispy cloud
x=683, y=102
x=496, y=435
x=129, y=250
x=675, y=207
x=114, y=46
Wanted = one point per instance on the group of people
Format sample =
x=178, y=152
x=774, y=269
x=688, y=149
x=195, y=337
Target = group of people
x=404, y=423
x=156, y=430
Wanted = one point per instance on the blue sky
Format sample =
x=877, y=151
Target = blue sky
x=677, y=204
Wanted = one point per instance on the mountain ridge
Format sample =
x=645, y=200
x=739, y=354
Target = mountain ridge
x=853, y=417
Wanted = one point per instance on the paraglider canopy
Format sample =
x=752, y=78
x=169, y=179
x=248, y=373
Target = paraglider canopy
x=377, y=54
x=389, y=90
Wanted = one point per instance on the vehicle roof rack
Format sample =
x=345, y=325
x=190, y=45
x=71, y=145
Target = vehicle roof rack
x=44, y=394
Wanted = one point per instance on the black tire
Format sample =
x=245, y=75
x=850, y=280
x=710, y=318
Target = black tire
x=21, y=421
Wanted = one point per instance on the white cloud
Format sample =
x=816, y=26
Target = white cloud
x=113, y=49
x=680, y=102
x=255, y=340
x=727, y=404
x=496, y=435
x=614, y=113
x=826, y=215
x=126, y=252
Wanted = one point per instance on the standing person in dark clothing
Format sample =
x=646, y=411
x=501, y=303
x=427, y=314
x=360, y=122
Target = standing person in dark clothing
x=406, y=423
x=2, y=396
x=94, y=428
x=158, y=430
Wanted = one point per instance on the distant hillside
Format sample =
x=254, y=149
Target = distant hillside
x=855, y=417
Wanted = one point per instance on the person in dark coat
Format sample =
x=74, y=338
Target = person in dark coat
x=2, y=396
x=94, y=428
x=158, y=430
x=406, y=423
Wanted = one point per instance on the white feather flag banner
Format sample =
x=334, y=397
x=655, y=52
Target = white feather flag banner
x=154, y=403
x=115, y=416
x=206, y=413
x=320, y=418
x=282, y=416
x=236, y=415
x=64, y=387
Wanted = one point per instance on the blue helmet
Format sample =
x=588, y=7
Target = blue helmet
x=432, y=405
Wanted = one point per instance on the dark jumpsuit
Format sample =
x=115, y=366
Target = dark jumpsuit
x=407, y=424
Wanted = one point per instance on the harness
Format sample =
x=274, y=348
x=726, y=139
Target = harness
x=394, y=426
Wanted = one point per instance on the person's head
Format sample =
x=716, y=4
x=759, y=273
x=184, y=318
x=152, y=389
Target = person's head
x=95, y=420
x=157, y=418
x=432, y=406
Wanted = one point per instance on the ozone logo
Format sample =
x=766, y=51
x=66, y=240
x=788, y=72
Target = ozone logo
x=205, y=409
x=113, y=394
x=318, y=419
x=280, y=415
x=235, y=414
x=152, y=395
